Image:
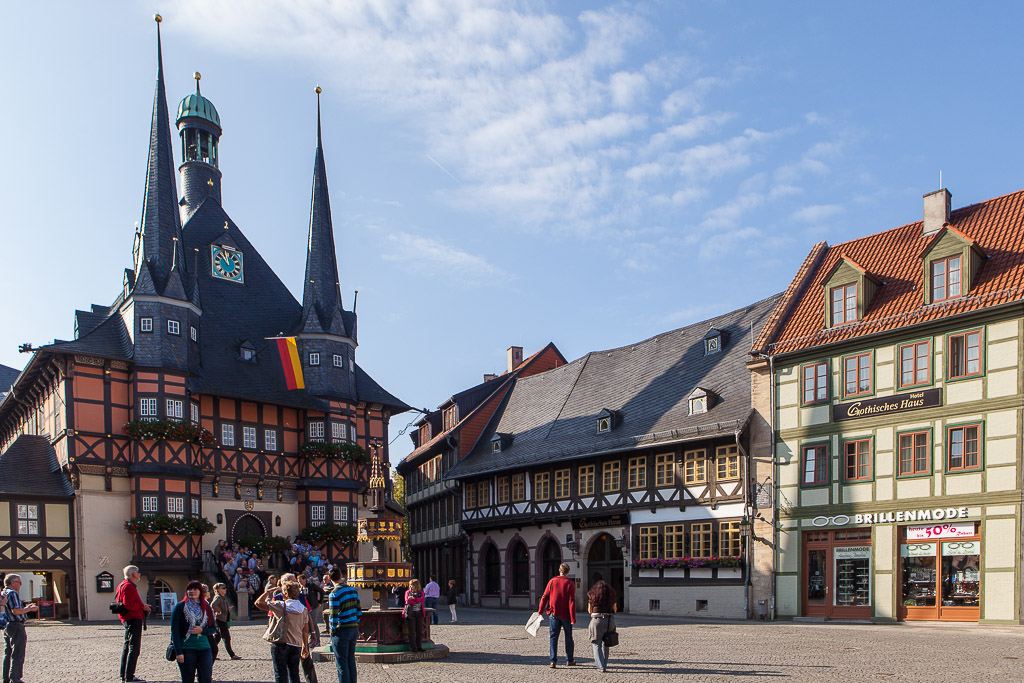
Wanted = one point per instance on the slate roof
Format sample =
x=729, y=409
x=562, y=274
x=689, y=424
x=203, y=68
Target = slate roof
x=108, y=339
x=30, y=465
x=894, y=257
x=552, y=416
x=7, y=377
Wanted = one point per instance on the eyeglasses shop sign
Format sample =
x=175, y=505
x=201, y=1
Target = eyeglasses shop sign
x=938, y=514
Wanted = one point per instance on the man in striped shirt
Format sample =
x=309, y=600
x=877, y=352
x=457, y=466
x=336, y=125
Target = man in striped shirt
x=344, y=609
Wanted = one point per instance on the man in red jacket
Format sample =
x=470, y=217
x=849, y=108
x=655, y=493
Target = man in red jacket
x=559, y=600
x=134, y=612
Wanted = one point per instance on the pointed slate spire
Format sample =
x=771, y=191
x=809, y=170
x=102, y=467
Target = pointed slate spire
x=161, y=223
x=321, y=295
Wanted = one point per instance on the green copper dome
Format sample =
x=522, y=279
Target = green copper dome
x=197, y=105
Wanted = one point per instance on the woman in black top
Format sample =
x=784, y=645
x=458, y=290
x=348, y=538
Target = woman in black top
x=453, y=596
x=602, y=603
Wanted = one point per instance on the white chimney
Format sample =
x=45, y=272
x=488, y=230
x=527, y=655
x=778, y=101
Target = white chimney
x=936, y=210
x=515, y=357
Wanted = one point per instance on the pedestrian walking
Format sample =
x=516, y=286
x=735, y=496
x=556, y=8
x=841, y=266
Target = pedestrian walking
x=192, y=622
x=453, y=597
x=132, y=615
x=559, y=601
x=314, y=596
x=431, y=592
x=214, y=637
x=602, y=603
x=343, y=612
x=15, y=638
x=222, y=614
x=292, y=644
x=413, y=613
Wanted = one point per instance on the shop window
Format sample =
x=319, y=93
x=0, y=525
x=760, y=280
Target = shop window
x=561, y=483
x=470, y=496
x=963, y=448
x=649, y=543
x=914, y=454
x=964, y=354
x=675, y=541
x=814, y=465
x=270, y=439
x=502, y=490
x=611, y=476
x=700, y=540
x=586, y=477
x=857, y=375
x=857, y=460
x=915, y=364
x=518, y=487
x=483, y=494
x=28, y=520
x=853, y=575
x=542, y=486
x=844, y=304
x=946, y=278
x=918, y=573
x=730, y=542
x=694, y=468
x=638, y=472
x=961, y=573
x=815, y=383
x=520, y=570
x=728, y=460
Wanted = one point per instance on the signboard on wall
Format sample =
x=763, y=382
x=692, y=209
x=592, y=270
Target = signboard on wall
x=885, y=405
x=167, y=603
x=920, y=532
x=599, y=522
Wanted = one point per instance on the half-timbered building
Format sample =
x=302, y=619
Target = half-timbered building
x=174, y=400
x=631, y=465
x=442, y=438
x=896, y=400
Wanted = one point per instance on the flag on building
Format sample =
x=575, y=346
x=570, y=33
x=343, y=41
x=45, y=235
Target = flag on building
x=289, y=351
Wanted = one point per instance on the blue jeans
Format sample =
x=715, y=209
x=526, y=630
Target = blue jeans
x=343, y=642
x=432, y=604
x=555, y=626
x=601, y=656
x=197, y=663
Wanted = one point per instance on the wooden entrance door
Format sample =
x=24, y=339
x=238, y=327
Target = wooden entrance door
x=836, y=574
x=604, y=563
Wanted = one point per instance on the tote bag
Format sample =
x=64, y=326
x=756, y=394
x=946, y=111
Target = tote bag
x=533, y=624
x=275, y=630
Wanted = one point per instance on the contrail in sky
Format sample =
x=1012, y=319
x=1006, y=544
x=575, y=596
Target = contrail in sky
x=436, y=163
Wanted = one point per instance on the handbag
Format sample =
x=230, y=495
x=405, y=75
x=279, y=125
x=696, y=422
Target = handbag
x=117, y=607
x=275, y=630
x=611, y=638
x=170, y=656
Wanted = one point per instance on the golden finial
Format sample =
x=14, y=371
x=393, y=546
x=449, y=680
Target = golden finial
x=210, y=182
x=318, y=89
x=157, y=18
x=196, y=75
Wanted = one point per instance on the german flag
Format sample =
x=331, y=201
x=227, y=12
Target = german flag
x=290, y=362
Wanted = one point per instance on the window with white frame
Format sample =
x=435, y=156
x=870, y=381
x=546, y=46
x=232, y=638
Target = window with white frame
x=194, y=411
x=175, y=505
x=149, y=505
x=249, y=437
x=174, y=409
x=318, y=513
x=270, y=439
x=340, y=513
x=339, y=361
x=173, y=327
x=337, y=431
x=227, y=435
x=314, y=358
x=352, y=433
x=145, y=324
x=147, y=408
x=28, y=520
x=195, y=507
x=195, y=333
x=316, y=431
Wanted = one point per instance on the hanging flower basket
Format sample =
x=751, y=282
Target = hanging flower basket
x=325, y=533
x=263, y=546
x=339, y=451
x=689, y=562
x=171, y=430
x=165, y=524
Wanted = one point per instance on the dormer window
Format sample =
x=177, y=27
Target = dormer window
x=844, y=304
x=604, y=424
x=496, y=445
x=700, y=401
x=946, y=278
x=500, y=441
x=247, y=352
x=607, y=420
x=712, y=341
x=950, y=262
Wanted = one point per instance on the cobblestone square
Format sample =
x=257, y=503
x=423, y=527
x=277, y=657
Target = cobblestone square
x=492, y=645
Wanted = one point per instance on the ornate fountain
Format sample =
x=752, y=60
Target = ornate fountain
x=383, y=635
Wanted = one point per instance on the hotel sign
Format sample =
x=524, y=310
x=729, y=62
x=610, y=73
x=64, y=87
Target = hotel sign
x=600, y=522
x=898, y=403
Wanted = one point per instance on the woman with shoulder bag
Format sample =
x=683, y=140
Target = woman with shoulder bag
x=192, y=621
x=602, y=603
x=289, y=640
x=413, y=613
x=222, y=611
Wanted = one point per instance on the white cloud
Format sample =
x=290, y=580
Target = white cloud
x=430, y=257
x=817, y=213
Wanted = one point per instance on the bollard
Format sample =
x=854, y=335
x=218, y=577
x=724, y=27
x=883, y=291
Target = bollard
x=762, y=610
x=243, y=603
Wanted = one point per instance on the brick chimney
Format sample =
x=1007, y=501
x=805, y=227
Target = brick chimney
x=936, y=210
x=488, y=377
x=515, y=357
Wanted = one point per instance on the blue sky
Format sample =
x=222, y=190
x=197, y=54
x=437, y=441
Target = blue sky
x=504, y=173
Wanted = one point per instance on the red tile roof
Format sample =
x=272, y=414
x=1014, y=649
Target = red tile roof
x=894, y=257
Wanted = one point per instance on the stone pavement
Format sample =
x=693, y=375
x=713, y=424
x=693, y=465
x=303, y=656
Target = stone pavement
x=492, y=645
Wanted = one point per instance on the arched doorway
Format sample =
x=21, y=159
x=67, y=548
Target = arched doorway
x=492, y=571
x=247, y=525
x=520, y=558
x=604, y=563
x=550, y=558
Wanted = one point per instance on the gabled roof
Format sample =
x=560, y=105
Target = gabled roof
x=30, y=465
x=108, y=339
x=551, y=416
x=894, y=256
x=7, y=377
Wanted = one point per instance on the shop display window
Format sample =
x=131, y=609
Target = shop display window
x=918, y=564
x=960, y=573
x=853, y=575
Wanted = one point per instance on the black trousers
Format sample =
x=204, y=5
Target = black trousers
x=415, y=622
x=225, y=637
x=130, y=650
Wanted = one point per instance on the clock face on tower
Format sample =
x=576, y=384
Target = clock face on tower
x=226, y=263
